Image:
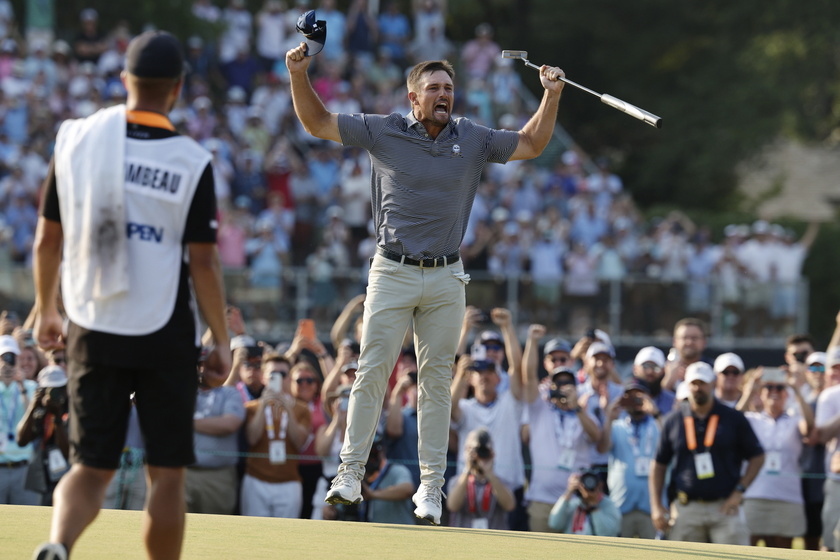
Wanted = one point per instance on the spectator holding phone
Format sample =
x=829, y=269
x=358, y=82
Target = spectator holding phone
x=276, y=427
x=479, y=499
x=630, y=440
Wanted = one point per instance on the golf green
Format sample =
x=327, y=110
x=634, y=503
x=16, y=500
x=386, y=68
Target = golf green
x=116, y=534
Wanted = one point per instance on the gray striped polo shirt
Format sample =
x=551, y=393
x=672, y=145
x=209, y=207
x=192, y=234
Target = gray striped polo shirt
x=422, y=189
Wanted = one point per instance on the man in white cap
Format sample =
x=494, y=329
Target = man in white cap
x=708, y=442
x=729, y=368
x=14, y=459
x=649, y=368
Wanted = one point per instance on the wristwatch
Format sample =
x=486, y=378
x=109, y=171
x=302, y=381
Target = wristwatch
x=740, y=488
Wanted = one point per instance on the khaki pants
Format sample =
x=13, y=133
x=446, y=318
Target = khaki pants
x=637, y=523
x=435, y=300
x=538, y=513
x=211, y=490
x=831, y=512
x=703, y=522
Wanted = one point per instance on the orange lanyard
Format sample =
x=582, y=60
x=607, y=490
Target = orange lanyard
x=691, y=432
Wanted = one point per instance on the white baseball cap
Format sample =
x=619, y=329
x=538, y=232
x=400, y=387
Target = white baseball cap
x=699, y=371
x=729, y=359
x=599, y=347
x=9, y=344
x=650, y=354
x=815, y=358
x=52, y=376
x=833, y=356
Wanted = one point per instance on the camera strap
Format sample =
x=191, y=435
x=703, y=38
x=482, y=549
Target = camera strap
x=471, y=495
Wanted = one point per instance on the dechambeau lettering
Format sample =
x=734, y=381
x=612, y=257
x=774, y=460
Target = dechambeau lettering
x=152, y=177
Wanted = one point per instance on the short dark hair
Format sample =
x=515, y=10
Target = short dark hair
x=269, y=357
x=692, y=322
x=799, y=338
x=426, y=68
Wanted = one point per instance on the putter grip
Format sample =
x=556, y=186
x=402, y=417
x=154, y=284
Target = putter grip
x=631, y=110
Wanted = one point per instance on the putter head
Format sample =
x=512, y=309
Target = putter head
x=520, y=55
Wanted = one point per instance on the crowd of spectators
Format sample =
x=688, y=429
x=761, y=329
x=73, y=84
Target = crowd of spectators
x=289, y=200
x=556, y=436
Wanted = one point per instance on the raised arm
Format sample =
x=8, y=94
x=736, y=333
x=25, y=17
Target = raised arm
x=459, y=385
x=309, y=108
x=513, y=349
x=535, y=135
x=345, y=319
x=530, y=390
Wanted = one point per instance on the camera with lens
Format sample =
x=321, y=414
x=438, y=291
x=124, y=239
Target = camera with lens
x=556, y=393
x=589, y=480
x=483, y=448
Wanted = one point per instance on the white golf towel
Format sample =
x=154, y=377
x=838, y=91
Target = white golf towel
x=90, y=161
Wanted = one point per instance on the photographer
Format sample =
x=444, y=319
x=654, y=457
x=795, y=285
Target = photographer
x=478, y=499
x=584, y=509
x=45, y=423
x=386, y=489
x=562, y=432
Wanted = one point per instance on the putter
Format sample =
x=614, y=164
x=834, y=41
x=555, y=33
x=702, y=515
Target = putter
x=606, y=98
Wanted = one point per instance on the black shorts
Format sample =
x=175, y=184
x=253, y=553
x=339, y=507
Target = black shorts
x=100, y=405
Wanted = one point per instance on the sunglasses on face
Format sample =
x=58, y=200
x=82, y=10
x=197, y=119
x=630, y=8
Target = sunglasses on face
x=252, y=365
x=559, y=359
x=651, y=367
x=495, y=347
x=774, y=387
x=816, y=369
x=305, y=380
x=731, y=371
x=9, y=358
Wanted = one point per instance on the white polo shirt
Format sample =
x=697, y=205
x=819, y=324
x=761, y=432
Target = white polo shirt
x=502, y=420
x=780, y=477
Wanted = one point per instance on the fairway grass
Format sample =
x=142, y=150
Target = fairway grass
x=116, y=534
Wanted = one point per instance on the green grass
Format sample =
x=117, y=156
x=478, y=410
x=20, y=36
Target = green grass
x=116, y=534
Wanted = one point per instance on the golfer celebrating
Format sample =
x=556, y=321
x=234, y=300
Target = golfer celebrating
x=426, y=167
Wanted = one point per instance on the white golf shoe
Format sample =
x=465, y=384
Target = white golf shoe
x=50, y=551
x=428, y=501
x=346, y=489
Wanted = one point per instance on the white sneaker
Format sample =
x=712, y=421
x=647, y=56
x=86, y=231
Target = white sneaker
x=50, y=551
x=346, y=489
x=428, y=502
